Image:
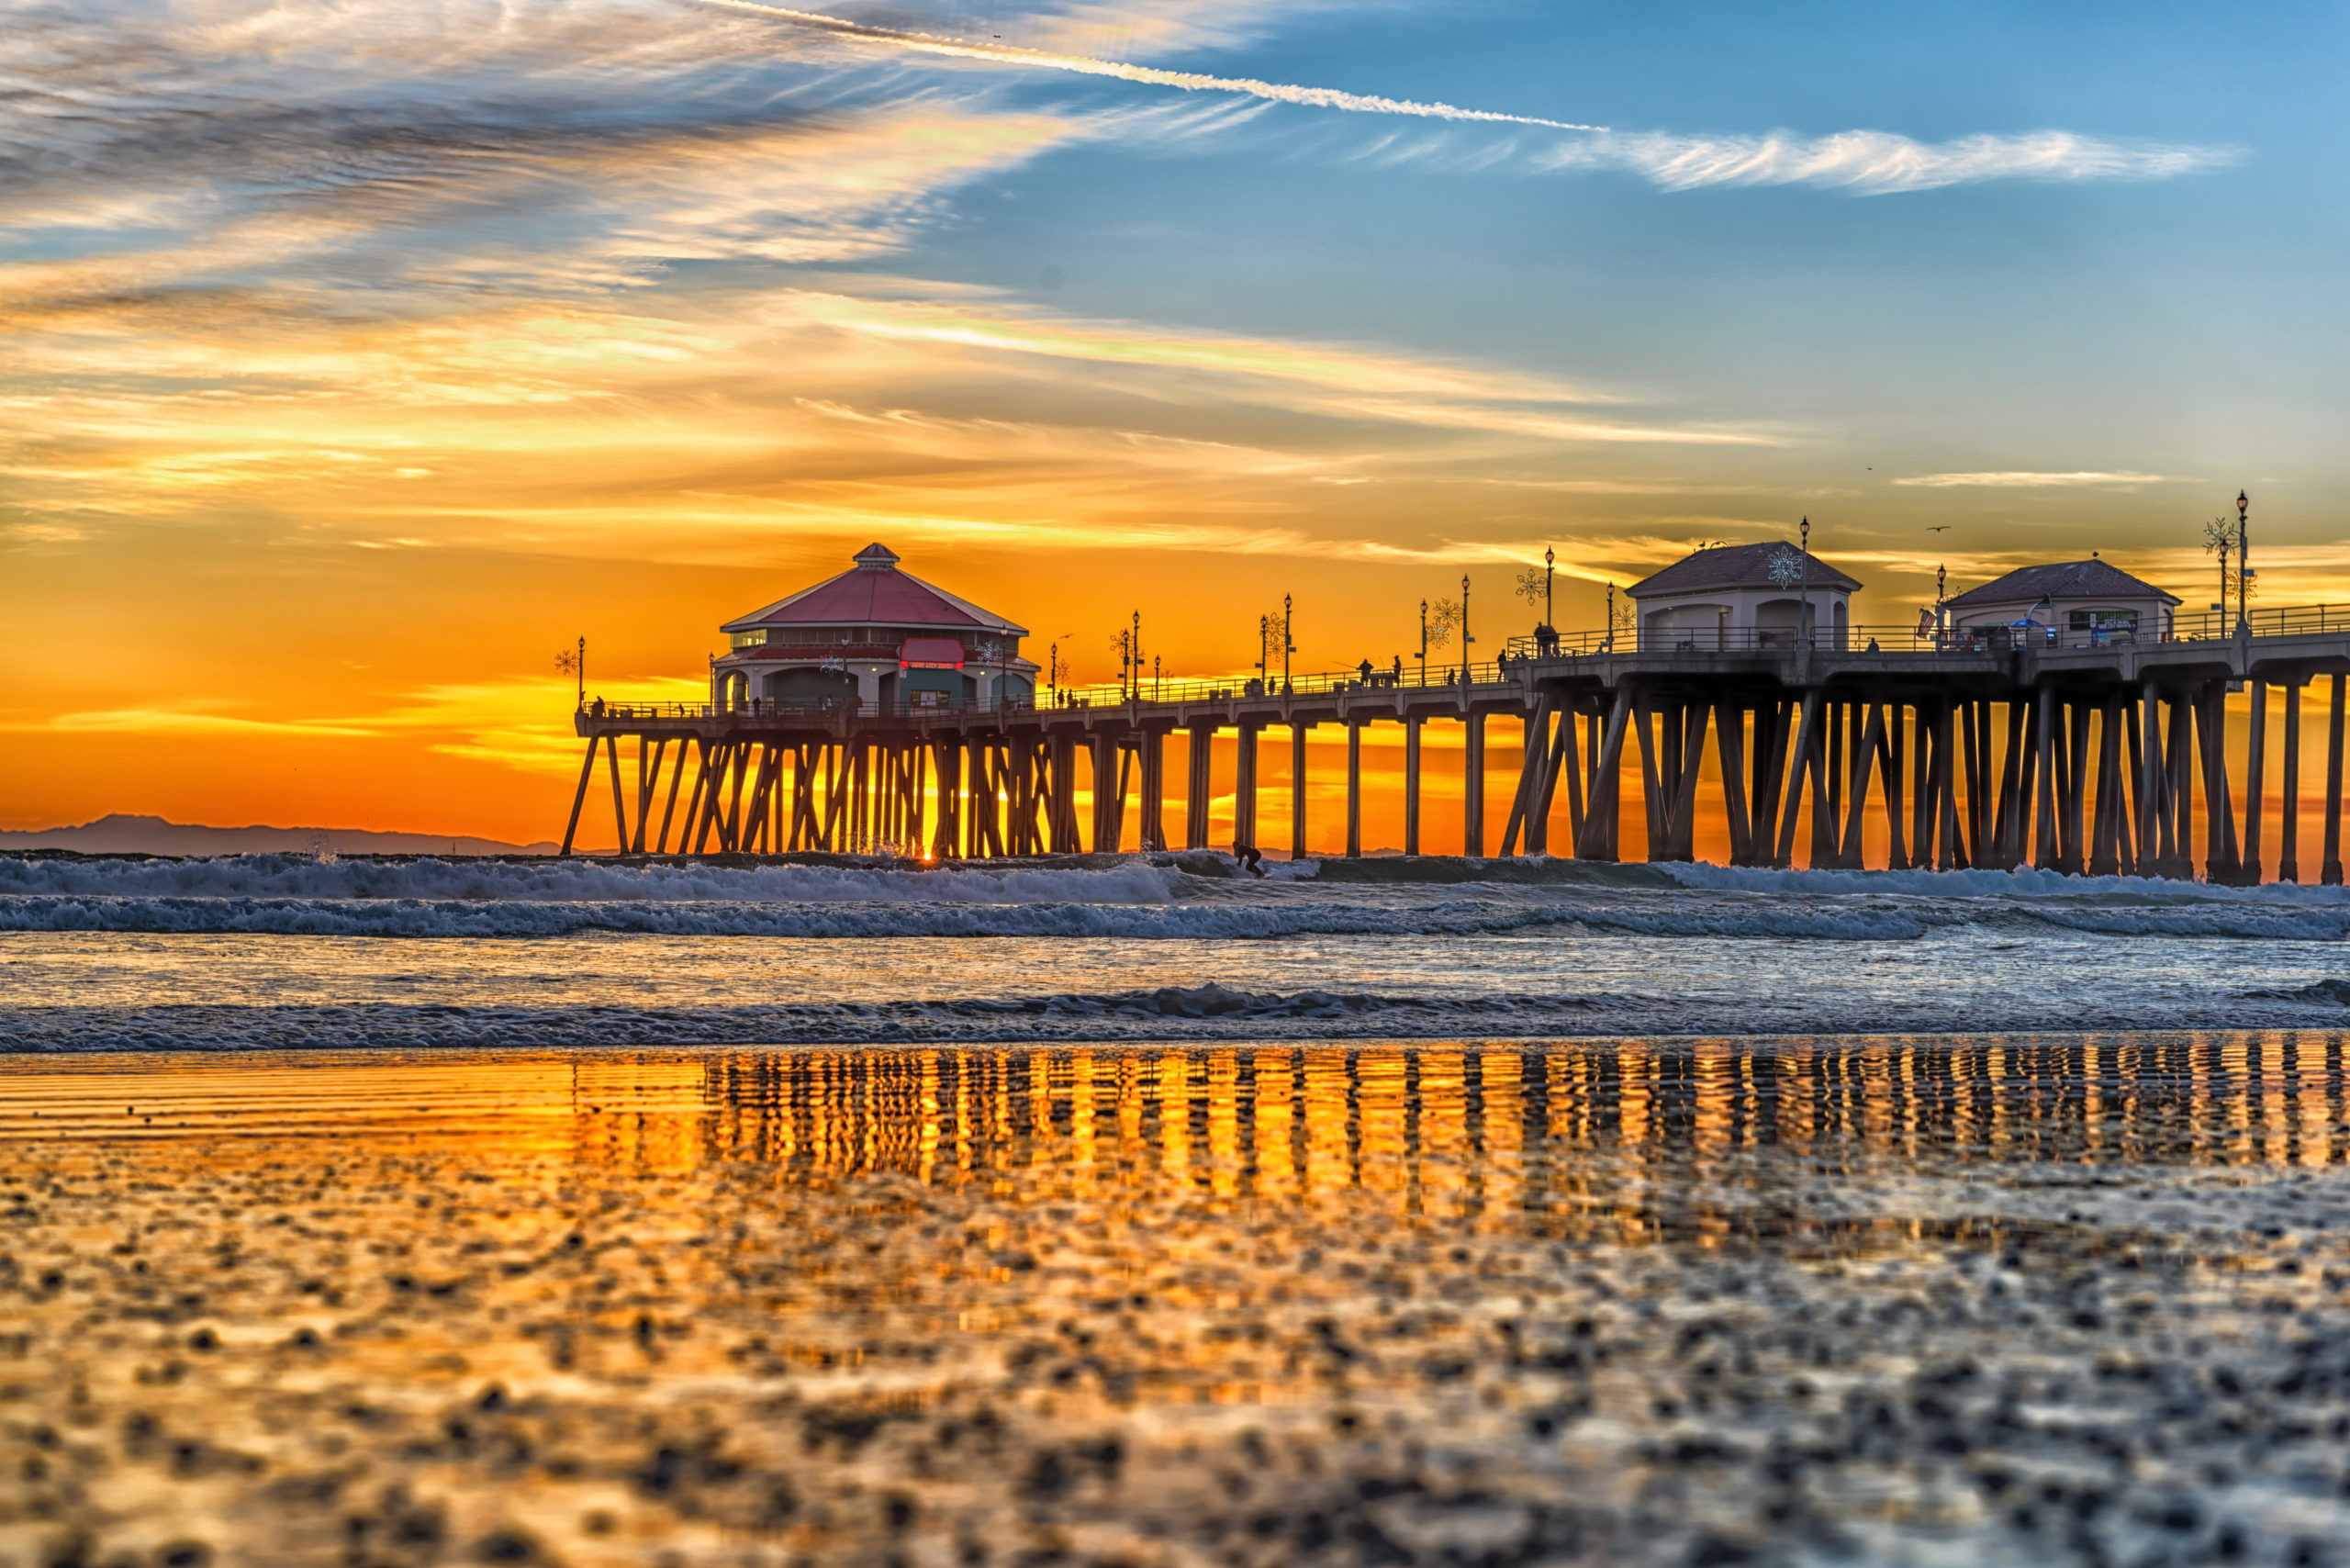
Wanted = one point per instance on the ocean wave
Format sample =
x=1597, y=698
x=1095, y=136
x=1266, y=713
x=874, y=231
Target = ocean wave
x=1209, y=1011
x=1134, y=879
x=2329, y=992
x=2025, y=882
x=1215, y=920
x=1663, y=916
x=1199, y=1013
x=1192, y=897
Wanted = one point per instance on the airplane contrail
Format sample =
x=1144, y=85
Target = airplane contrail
x=1190, y=81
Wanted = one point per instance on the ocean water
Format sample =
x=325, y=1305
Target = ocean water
x=2013, y=1299
x=1135, y=1212
x=285, y=951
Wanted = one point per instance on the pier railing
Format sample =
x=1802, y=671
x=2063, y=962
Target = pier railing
x=2265, y=621
x=1520, y=651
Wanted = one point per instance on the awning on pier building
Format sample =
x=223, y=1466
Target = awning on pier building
x=876, y=637
x=2072, y=603
x=1743, y=595
x=930, y=653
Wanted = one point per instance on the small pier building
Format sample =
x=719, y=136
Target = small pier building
x=2070, y=604
x=875, y=640
x=1743, y=595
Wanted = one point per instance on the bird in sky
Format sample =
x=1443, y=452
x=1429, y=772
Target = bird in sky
x=1938, y=528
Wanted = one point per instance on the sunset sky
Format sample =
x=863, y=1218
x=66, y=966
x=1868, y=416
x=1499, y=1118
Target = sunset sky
x=360, y=355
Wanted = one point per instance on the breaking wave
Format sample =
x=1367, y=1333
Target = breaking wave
x=2022, y=882
x=1207, y=1012
x=253, y=877
x=1187, y=898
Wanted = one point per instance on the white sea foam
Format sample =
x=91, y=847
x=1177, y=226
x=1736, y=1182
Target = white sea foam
x=2021, y=883
x=1132, y=898
x=232, y=877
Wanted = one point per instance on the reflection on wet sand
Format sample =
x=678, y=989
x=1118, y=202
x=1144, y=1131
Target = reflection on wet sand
x=2012, y=1299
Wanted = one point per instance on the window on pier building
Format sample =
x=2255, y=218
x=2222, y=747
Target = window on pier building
x=2102, y=621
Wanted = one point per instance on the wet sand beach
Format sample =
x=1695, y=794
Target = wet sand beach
x=2014, y=1299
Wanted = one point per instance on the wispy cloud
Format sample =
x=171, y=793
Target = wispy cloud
x=1061, y=337
x=1875, y=163
x=172, y=722
x=1869, y=162
x=1327, y=379
x=2021, y=479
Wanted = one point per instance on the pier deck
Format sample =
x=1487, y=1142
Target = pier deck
x=2078, y=758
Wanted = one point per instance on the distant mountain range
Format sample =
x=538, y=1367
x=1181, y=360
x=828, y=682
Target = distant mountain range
x=120, y=834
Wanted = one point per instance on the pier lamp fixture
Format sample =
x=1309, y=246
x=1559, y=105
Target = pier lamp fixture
x=1610, y=643
x=1264, y=646
x=574, y=662
x=1549, y=575
x=1053, y=675
x=1288, y=644
x=1134, y=653
x=1424, y=641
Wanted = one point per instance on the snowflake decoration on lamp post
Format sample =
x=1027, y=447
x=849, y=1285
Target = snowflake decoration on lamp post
x=573, y=661
x=1786, y=568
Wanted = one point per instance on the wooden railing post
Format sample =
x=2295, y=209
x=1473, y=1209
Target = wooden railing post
x=1199, y=767
x=1297, y=788
x=1411, y=784
x=2330, y=873
x=1354, y=790
x=586, y=771
x=2288, y=829
x=2255, y=778
x=1730, y=723
x=1244, y=793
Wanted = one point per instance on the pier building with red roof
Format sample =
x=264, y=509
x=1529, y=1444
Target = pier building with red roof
x=874, y=640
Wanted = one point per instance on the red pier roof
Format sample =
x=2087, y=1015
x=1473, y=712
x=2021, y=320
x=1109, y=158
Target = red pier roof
x=874, y=592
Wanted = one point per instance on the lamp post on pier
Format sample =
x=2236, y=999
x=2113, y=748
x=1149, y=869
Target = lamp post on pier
x=1288, y=644
x=2225, y=545
x=1465, y=638
x=574, y=662
x=1424, y=641
x=1805, y=613
x=2243, y=562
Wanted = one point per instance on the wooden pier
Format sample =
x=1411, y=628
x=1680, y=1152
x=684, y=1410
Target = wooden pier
x=2095, y=761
